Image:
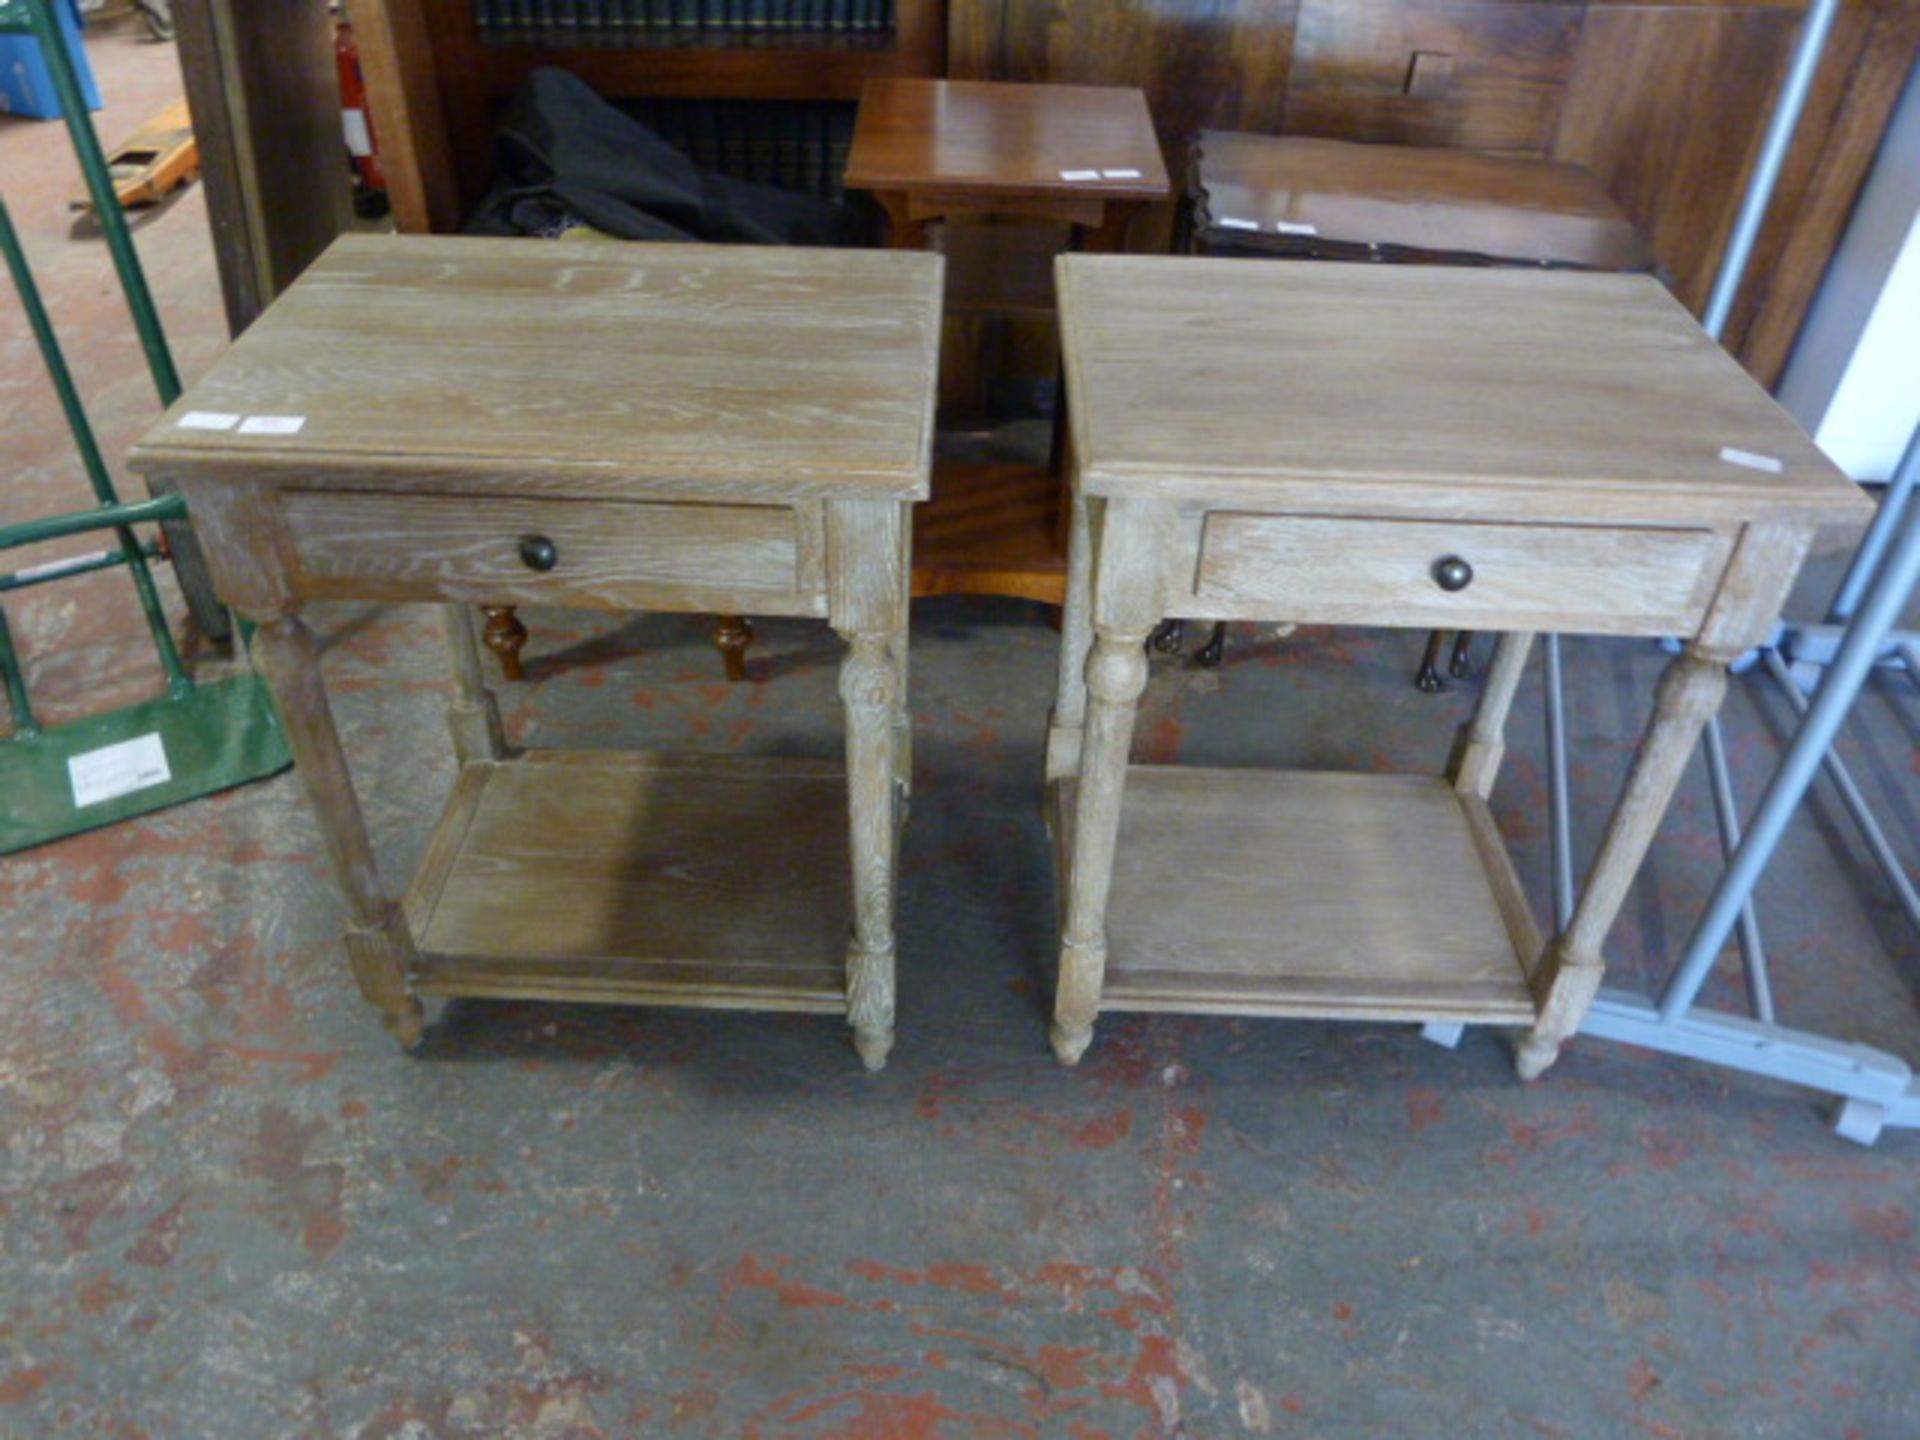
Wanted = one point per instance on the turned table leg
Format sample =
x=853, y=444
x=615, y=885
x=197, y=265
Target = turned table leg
x=474, y=714
x=1482, y=741
x=1124, y=601
x=1116, y=674
x=1568, y=975
x=869, y=690
x=867, y=549
x=379, y=948
x=506, y=637
x=731, y=637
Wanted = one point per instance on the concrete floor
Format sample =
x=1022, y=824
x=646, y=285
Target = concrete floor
x=230, y=1207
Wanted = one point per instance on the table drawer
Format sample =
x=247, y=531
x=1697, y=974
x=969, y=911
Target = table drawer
x=506, y=550
x=1346, y=570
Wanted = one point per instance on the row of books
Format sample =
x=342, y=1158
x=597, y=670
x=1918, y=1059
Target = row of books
x=795, y=145
x=644, y=22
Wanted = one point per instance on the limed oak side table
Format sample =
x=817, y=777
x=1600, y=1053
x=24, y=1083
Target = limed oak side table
x=1370, y=445
x=641, y=427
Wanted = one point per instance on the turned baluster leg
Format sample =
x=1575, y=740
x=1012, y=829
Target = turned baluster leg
x=474, y=714
x=1482, y=742
x=1116, y=674
x=731, y=637
x=1126, y=597
x=868, y=684
x=379, y=947
x=867, y=547
x=1569, y=973
x=505, y=636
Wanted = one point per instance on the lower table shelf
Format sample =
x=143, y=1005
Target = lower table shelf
x=636, y=878
x=1347, y=896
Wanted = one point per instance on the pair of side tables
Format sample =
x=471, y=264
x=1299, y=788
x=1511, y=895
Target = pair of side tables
x=702, y=429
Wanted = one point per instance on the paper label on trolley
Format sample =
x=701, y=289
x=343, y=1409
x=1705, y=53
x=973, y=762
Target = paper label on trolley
x=1232, y=222
x=1121, y=175
x=1079, y=174
x=207, y=420
x=272, y=424
x=1294, y=227
x=1752, y=461
x=115, y=770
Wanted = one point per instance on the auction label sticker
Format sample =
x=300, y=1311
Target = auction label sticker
x=115, y=770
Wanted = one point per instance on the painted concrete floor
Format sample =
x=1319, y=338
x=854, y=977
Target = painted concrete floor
x=230, y=1207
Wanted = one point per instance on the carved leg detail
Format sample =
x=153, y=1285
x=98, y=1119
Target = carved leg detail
x=1116, y=674
x=505, y=636
x=379, y=949
x=1570, y=971
x=731, y=636
x=868, y=688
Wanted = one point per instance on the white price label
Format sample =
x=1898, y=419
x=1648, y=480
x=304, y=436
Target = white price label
x=272, y=424
x=1122, y=174
x=1752, y=461
x=116, y=770
x=1295, y=227
x=1079, y=174
x=1231, y=222
x=207, y=420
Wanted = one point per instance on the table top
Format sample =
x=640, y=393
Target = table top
x=607, y=368
x=1423, y=390
x=1084, y=140
x=1420, y=196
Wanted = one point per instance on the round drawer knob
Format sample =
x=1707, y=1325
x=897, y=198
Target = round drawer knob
x=1450, y=572
x=537, y=552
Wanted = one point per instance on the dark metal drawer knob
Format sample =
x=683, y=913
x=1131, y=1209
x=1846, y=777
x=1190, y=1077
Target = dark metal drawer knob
x=1450, y=572
x=537, y=552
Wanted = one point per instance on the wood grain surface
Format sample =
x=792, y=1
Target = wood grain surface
x=1005, y=139
x=617, y=369
x=1261, y=892
x=609, y=555
x=618, y=876
x=1338, y=570
x=1425, y=198
x=1410, y=389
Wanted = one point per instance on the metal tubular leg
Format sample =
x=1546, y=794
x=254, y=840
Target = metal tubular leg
x=15, y=679
x=1773, y=157
x=1829, y=708
x=113, y=221
x=1850, y=796
x=83, y=439
x=1753, y=954
x=1559, y=803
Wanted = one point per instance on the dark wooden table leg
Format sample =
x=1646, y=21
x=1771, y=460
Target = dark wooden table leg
x=731, y=636
x=505, y=636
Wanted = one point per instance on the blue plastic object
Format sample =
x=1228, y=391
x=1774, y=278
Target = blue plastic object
x=26, y=85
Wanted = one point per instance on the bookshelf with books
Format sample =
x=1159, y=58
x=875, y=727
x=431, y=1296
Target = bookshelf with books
x=438, y=71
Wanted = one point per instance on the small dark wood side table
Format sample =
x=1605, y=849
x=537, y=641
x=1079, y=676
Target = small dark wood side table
x=1504, y=450
x=1292, y=197
x=1081, y=155
x=683, y=428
